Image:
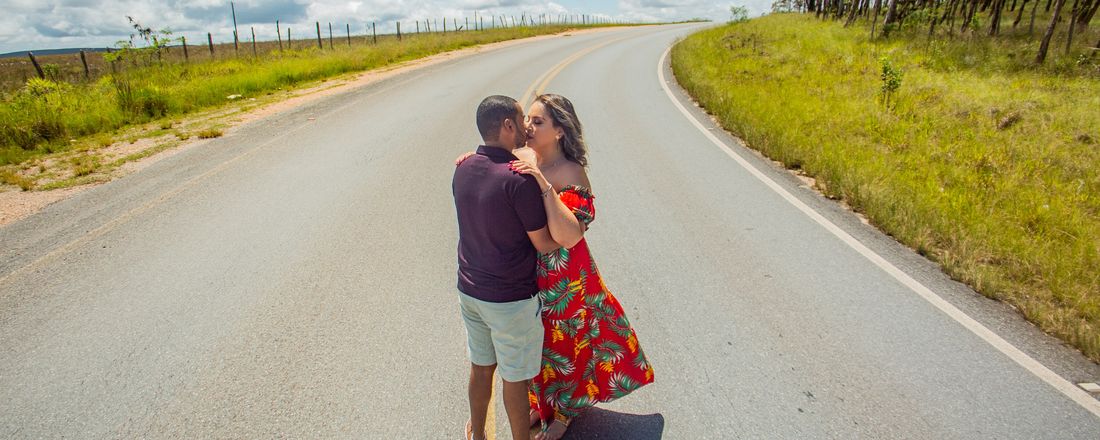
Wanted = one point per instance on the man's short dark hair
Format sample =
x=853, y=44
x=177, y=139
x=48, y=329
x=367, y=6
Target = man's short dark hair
x=491, y=114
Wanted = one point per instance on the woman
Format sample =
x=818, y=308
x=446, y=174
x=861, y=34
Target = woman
x=590, y=353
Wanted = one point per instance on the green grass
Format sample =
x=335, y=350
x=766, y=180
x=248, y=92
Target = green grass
x=983, y=162
x=43, y=116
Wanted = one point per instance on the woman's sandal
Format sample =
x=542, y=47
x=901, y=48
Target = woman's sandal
x=560, y=420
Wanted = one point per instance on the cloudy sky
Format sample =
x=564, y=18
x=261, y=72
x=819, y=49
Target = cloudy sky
x=51, y=24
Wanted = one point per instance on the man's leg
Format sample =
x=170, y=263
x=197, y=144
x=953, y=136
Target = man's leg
x=483, y=363
x=481, y=390
x=517, y=340
x=518, y=409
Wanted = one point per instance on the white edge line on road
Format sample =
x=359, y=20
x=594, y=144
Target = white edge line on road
x=1077, y=395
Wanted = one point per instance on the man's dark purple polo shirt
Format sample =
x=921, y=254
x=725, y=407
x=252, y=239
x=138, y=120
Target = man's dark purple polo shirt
x=496, y=207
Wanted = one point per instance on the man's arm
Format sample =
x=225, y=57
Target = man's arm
x=542, y=241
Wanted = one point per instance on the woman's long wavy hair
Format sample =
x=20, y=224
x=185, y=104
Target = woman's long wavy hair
x=572, y=141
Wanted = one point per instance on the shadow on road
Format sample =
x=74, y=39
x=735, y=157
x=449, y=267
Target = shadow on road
x=598, y=423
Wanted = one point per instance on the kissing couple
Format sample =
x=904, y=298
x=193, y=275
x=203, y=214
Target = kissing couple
x=534, y=305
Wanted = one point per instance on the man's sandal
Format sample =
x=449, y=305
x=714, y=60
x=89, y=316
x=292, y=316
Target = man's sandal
x=469, y=432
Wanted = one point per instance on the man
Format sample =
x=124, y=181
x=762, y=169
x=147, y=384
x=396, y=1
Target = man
x=501, y=224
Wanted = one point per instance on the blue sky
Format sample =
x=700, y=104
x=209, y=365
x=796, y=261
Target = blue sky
x=50, y=24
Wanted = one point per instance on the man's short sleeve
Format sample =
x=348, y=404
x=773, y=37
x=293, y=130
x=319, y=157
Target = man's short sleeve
x=527, y=200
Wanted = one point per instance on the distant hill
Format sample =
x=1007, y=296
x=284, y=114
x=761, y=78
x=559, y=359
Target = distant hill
x=23, y=53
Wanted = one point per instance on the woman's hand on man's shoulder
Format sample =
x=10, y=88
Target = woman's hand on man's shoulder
x=462, y=157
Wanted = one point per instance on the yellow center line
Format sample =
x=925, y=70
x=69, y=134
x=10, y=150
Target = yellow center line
x=491, y=416
x=536, y=89
x=539, y=86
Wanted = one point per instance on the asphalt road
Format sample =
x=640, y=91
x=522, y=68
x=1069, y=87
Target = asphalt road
x=295, y=279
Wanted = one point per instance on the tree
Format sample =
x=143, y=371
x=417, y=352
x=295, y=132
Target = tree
x=156, y=43
x=1085, y=15
x=874, y=21
x=854, y=9
x=995, y=19
x=968, y=16
x=1045, y=44
x=738, y=13
x=1019, y=14
x=1072, y=22
x=891, y=80
x=891, y=16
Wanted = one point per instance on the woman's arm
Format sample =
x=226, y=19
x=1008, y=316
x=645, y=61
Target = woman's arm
x=564, y=226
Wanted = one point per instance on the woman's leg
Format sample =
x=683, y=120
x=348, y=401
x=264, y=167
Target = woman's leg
x=555, y=430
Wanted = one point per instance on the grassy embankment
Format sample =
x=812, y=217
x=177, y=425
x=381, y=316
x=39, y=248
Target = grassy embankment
x=46, y=119
x=981, y=161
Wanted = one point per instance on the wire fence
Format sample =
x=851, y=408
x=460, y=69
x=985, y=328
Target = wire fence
x=91, y=64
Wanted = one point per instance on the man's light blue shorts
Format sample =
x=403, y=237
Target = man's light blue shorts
x=507, y=334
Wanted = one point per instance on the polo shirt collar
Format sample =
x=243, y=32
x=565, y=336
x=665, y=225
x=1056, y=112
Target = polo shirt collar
x=495, y=152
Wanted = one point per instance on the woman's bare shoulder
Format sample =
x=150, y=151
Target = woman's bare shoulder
x=575, y=174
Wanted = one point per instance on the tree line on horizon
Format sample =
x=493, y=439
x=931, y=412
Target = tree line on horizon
x=956, y=17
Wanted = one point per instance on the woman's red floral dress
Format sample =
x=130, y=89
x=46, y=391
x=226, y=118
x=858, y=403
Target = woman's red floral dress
x=590, y=353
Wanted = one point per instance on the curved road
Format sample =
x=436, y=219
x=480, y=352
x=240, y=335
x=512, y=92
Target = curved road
x=295, y=279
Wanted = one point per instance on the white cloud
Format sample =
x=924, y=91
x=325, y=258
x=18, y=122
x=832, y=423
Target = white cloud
x=672, y=10
x=30, y=24
x=47, y=24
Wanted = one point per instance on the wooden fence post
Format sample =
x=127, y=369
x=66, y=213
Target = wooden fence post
x=84, y=61
x=319, y=44
x=289, y=41
x=253, y=41
x=36, y=66
x=399, y=31
x=418, y=27
x=373, y=33
x=444, y=25
x=210, y=40
x=330, y=46
x=186, y=56
x=279, y=32
x=454, y=21
x=349, y=33
x=235, y=35
x=467, y=23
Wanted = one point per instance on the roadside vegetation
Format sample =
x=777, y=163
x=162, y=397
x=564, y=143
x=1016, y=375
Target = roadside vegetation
x=959, y=143
x=151, y=87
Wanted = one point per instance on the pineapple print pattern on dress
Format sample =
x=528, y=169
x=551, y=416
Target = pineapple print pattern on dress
x=590, y=352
